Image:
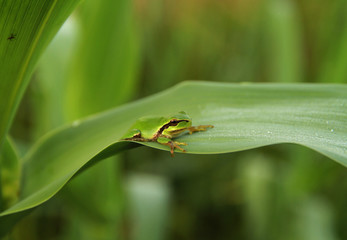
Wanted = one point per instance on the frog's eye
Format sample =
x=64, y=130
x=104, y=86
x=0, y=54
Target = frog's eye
x=174, y=121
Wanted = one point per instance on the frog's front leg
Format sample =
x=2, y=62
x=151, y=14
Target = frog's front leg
x=199, y=128
x=191, y=129
x=166, y=140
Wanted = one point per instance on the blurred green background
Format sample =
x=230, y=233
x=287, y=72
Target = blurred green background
x=112, y=52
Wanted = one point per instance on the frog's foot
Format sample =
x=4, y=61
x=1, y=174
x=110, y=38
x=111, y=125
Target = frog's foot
x=173, y=145
x=198, y=128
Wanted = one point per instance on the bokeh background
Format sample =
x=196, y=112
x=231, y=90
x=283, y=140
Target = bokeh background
x=112, y=52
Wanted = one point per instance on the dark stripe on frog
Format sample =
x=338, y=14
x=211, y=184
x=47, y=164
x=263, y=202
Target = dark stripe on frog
x=173, y=122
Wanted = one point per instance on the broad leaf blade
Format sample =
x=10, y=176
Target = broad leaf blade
x=244, y=115
x=26, y=27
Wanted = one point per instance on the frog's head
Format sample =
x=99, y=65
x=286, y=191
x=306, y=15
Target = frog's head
x=178, y=121
x=181, y=116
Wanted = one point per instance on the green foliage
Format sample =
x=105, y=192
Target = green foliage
x=110, y=52
x=26, y=29
x=107, y=50
x=9, y=175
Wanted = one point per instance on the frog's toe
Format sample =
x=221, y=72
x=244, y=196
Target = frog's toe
x=199, y=128
x=181, y=143
x=174, y=145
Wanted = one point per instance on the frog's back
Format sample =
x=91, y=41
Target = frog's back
x=150, y=125
x=147, y=126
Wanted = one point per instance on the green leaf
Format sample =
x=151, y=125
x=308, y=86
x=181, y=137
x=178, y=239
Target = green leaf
x=283, y=42
x=26, y=27
x=9, y=174
x=108, y=50
x=245, y=116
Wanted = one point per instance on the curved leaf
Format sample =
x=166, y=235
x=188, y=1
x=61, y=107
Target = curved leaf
x=244, y=115
x=26, y=27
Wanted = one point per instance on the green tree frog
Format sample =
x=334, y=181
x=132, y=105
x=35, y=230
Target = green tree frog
x=163, y=129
